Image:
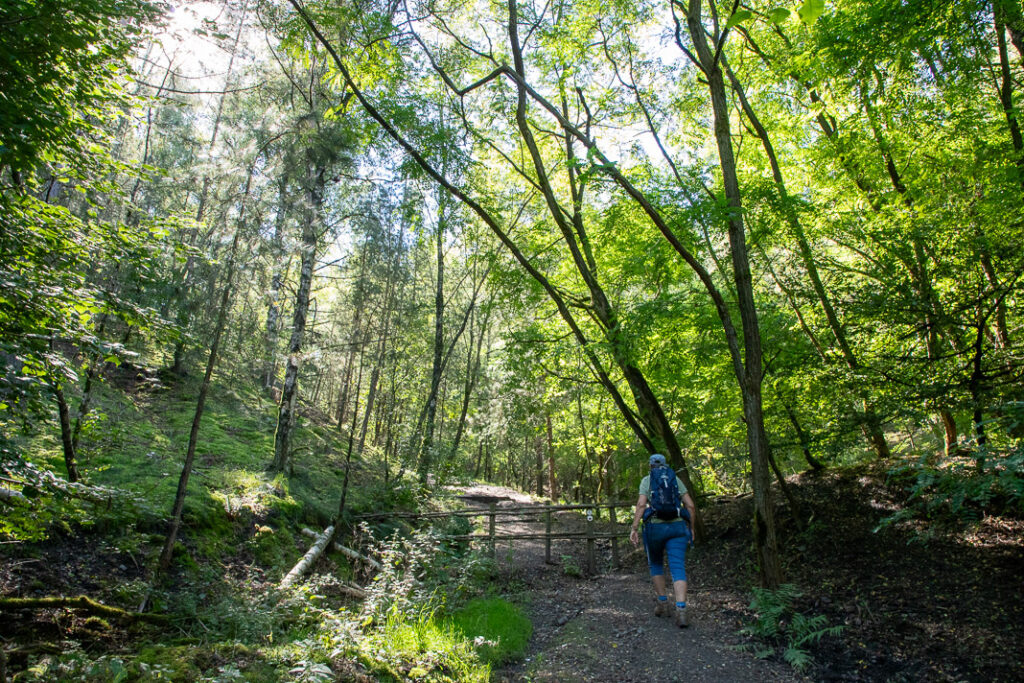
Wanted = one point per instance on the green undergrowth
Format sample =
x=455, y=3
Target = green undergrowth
x=498, y=628
x=962, y=488
x=241, y=531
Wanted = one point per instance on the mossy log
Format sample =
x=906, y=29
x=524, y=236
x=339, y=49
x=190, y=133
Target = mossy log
x=80, y=602
x=347, y=552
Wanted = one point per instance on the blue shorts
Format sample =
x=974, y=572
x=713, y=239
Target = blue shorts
x=673, y=537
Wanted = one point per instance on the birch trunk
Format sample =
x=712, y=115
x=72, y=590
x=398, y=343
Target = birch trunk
x=311, y=556
x=289, y=392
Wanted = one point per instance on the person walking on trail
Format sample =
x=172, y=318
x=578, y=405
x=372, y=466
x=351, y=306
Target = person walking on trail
x=667, y=511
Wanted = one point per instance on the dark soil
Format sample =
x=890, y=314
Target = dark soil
x=916, y=602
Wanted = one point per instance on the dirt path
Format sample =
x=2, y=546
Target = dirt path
x=603, y=628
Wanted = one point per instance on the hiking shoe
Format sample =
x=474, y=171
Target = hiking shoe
x=682, y=620
x=661, y=608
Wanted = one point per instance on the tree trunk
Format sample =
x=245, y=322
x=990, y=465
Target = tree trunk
x=874, y=432
x=658, y=433
x=489, y=460
x=804, y=441
x=472, y=374
x=1006, y=85
x=552, y=481
x=479, y=459
x=64, y=413
x=289, y=393
x=185, y=277
x=787, y=492
x=975, y=386
x=311, y=556
x=538, y=453
x=276, y=283
x=211, y=362
x=750, y=384
x=427, y=449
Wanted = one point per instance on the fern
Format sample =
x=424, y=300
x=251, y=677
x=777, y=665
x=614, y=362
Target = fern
x=772, y=608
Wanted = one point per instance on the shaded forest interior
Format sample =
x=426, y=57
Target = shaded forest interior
x=271, y=267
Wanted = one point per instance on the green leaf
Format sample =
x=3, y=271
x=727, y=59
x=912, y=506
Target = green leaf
x=778, y=15
x=739, y=18
x=811, y=10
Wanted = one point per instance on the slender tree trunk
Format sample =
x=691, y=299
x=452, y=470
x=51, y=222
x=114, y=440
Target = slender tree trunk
x=356, y=344
x=427, y=450
x=538, y=454
x=552, y=480
x=1006, y=85
x=787, y=492
x=489, y=460
x=348, y=454
x=750, y=383
x=211, y=362
x=1002, y=332
x=185, y=278
x=801, y=436
x=290, y=391
x=873, y=425
x=975, y=385
x=64, y=413
x=479, y=459
x=659, y=435
x=378, y=363
x=276, y=283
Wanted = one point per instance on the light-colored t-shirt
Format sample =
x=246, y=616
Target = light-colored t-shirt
x=645, y=490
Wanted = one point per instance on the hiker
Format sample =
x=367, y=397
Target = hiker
x=667, y=527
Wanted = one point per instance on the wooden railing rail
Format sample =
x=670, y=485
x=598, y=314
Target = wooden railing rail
x=530, y=513
x=499, y=511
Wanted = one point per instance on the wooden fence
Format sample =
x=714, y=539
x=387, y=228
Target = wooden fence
x=534, y=514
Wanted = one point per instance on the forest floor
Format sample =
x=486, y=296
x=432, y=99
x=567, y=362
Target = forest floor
x=915, y=602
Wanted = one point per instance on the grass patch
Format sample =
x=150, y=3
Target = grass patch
x=498, y=629
x=423, y=649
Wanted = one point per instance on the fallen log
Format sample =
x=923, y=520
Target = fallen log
x=309, y=558
x=12, y=497
x=354, y=591
x=80, y=602
x=347, y=552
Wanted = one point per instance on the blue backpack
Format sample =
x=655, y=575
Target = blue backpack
x=664, y=499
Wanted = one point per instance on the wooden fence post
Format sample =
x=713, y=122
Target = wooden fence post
x=615, y=540
x=494, y=549
x=591, y=562
x=547, y=536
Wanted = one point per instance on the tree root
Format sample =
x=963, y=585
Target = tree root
x=81, y=602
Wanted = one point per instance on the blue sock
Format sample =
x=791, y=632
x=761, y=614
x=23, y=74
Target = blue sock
x=680, y=605
x=663, y=598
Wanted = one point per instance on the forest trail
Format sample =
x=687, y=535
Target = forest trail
x=603, y=628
